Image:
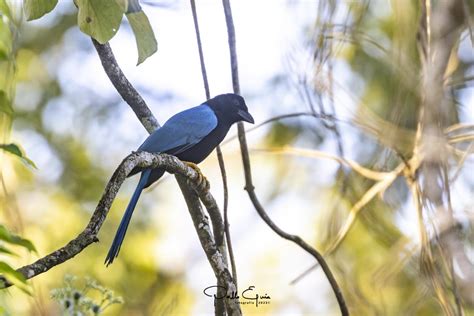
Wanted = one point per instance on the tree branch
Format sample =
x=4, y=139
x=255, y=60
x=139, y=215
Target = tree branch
x=125, y=88
x=214, y=256
x=146, y=160
x=140, y=108
x=220, y=156
x=89, y=235
x=249, y=187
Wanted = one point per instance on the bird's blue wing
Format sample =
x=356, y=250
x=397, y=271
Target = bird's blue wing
x=182, y=131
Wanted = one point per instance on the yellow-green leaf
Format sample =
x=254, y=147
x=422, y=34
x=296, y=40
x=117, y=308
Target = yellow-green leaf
x=8, y=270
x=7, y=251
x=99, y=18
x=144, y=36
x=13, y=277
x=123, y=5
x=5, y=104
x=5, y=41
x=34, y=9
x=13, y=239
x=4, y=9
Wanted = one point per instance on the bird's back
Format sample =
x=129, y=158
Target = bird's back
x=178, y=135
x=182, y=131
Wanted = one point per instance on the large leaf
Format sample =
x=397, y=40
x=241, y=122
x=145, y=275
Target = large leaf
x=15, y=150
x=5, y=105
x=123, y=5
x=10, y=238
x=34, y=9
x=99, y=18
x=144, y=36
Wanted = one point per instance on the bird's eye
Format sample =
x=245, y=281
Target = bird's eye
x=236, y=102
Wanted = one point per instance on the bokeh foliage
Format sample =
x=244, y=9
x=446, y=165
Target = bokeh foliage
x=383, y=269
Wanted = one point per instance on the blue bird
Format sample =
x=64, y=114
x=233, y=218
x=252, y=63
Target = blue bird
x=191, y=136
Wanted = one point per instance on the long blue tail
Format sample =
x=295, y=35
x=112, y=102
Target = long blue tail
x=120, y=234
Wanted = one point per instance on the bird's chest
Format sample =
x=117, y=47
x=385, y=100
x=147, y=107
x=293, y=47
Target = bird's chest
x=201, y=150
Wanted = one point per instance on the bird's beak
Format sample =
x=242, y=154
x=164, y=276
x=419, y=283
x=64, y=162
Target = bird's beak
x=246, y=116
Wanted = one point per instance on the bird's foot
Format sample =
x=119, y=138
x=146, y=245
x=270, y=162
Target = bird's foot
x=202, y=182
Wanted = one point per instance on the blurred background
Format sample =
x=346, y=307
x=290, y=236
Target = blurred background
x=322, y=79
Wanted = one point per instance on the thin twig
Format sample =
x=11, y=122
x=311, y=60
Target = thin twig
x=226, y=219
x=201, y=54
x=249, y=187
x=284, y=116
x=219, y=304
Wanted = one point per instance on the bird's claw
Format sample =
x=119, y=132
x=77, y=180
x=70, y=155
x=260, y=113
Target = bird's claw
x=202, y=182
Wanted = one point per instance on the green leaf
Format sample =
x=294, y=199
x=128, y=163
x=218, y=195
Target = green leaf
x=29, y=162
x=13, y=239
x=144, y=36
x=7, y=251
x=4, y=9
x=34, y=9
x=99, y=18
x=5, y=105
x=15, y=150
x=5, y=40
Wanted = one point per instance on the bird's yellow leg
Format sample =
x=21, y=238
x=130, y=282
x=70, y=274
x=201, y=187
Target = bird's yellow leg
x=203, y=183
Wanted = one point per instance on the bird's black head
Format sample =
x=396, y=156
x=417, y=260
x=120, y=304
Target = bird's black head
x=230, y=108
